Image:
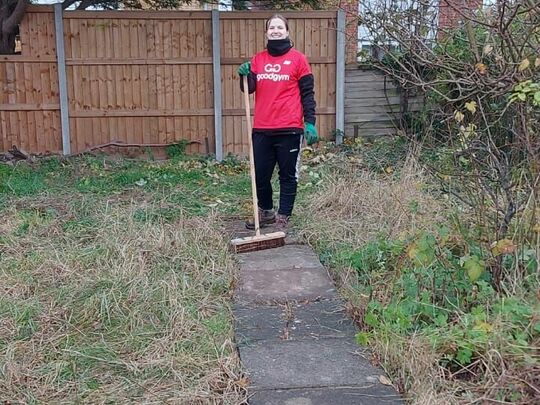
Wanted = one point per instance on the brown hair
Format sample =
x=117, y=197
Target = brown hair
x=281, y=18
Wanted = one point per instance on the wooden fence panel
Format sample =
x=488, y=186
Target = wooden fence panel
x=29, y=102
x=372, y=103
x=146, y=77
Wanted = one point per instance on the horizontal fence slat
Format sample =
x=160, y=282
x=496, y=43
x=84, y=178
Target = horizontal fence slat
x=373, y=85
x=351, y=131
x=29, y=107
x=140, y=113
x=371, y=101
x=127, y=61
x=376, y=109
x=368, y=117
x=381, y=100
x=357, y=94
x=27, y=59
x=239, y=15
x=365, y=76
x=138, y=14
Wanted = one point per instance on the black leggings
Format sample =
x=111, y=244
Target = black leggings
x=285, y=150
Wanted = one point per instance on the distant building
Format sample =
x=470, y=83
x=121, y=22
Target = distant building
x=442, y=14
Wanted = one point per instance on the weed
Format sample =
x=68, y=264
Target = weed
x=178, y=150
x=416, y=274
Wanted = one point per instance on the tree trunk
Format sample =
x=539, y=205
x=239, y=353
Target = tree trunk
x=11, y=14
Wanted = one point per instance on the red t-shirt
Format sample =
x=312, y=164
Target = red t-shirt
x=277, y=95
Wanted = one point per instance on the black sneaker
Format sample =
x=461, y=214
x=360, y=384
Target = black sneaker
x=266, y=217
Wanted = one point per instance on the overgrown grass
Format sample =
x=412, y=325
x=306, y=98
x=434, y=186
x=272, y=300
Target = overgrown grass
x=115, y=282
x=415, y=276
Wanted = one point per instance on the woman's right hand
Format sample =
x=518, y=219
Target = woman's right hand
x=244, y=69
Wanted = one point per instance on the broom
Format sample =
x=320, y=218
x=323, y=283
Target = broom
x=257, y=242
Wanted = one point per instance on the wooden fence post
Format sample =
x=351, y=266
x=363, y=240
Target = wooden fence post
x=62, y=79
x=216, y=60
x=340, y=77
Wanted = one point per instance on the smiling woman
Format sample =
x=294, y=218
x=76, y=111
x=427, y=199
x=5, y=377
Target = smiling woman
x=282, y=81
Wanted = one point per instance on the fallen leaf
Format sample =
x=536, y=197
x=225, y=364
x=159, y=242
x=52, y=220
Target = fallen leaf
x=458, y=115
x=384, y=380
x=537, y=62
x=243, y=382
x=481, y=68
x=471, y=106
x=524, y=64
x=502, y=247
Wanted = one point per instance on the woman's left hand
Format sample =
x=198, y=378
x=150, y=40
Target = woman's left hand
x=310, y=133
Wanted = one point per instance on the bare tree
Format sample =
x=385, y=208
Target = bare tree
x=481, y=82
x=11, y=14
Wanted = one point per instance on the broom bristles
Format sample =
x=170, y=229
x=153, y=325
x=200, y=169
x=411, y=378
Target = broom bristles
x=261, y=242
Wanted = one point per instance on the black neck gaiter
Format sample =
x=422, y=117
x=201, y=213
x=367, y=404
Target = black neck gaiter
x=277, y=47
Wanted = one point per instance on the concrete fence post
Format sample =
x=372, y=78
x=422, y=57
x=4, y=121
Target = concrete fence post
x=62, y=78
x=340, y=77
x=216, y=60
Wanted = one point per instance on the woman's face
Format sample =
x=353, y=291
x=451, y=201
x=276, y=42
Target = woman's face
x=277, y=29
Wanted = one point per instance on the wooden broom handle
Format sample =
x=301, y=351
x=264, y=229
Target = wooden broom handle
x=251, y=159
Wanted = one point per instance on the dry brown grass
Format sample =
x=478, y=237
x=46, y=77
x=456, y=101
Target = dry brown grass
x=100, y=306
x=355, y=206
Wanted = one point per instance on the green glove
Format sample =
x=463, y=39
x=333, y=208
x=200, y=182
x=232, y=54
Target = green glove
x=244, y=69
x=310, y=133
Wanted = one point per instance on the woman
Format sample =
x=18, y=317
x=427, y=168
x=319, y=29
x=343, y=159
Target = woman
x=283, y=84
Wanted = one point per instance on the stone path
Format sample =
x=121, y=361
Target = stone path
x=295, y=341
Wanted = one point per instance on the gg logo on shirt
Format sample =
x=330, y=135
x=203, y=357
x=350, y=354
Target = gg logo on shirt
x=272, y=73
x=272, y=68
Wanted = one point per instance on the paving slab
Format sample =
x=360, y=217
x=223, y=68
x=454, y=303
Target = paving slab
x=289, y=257
x=292, y=321
x=369, y=395
x=307, y=363
x=257, y=322
x=298, y=284
x=320, y=319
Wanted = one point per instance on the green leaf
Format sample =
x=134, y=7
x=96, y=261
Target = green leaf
x=362, y=338
x=371, y=320
x=441, y=320
x=474, y=267
x=423, y=250
x=464, y=355
x=537, y=98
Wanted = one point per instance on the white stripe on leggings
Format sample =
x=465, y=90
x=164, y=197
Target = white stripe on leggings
x=297, y=172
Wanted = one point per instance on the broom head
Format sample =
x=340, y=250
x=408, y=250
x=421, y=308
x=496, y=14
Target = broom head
x=258, y=242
